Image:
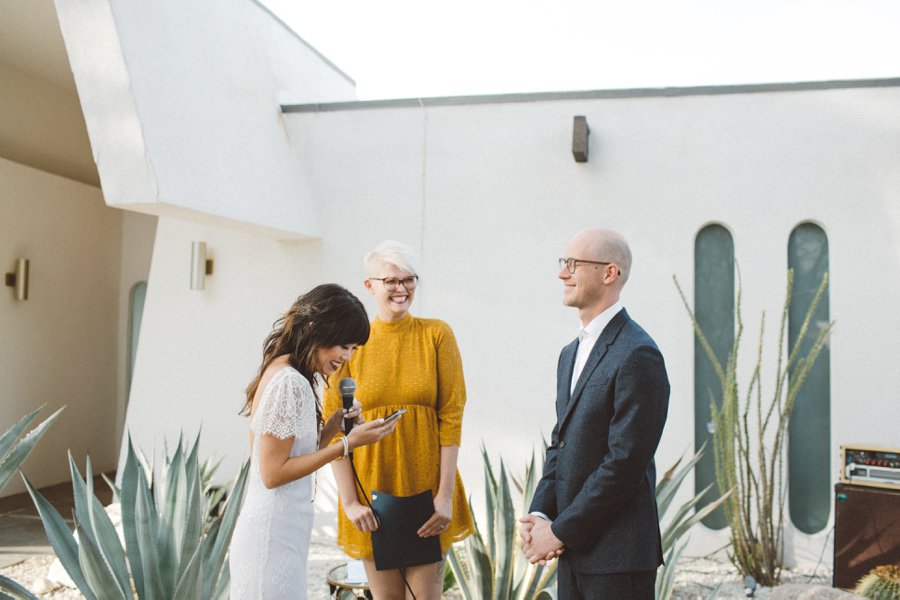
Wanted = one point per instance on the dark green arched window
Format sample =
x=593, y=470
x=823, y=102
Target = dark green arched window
x=809, y=445
x=714, y=309
x=135, y=315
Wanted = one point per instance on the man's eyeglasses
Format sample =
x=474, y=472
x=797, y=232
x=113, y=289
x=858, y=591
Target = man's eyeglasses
x=392, y=283
x=571, y=263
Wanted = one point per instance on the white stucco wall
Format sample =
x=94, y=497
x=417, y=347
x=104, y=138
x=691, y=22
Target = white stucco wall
x=181, y=101
x=489, y=194
x=199, y=348
x=499, y=195
x=60, y=346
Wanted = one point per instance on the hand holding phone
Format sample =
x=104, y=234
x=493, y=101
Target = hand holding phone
x=394, y=416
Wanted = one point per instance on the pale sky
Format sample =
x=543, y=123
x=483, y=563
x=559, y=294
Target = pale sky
x=421, y=48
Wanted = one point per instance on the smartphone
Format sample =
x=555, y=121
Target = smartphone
x=394, y=415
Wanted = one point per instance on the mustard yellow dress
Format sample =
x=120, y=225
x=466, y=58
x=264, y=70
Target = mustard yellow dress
x=413, y=364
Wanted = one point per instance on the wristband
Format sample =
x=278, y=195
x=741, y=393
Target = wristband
x=346, y=448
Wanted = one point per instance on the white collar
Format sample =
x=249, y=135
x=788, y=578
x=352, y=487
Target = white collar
x=599, y=323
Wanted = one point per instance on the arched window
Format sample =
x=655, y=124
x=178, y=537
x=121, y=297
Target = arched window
x=809, y=431
x=135, y=314
x=714, y=309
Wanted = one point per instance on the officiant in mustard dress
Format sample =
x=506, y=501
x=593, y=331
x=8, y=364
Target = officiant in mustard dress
x=414, y=364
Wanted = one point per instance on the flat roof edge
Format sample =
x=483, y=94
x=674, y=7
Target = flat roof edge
x=290, y=30
x=753, y=88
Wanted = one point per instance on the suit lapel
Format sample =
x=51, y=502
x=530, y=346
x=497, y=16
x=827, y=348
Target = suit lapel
x=564, y=378
x=606, y=339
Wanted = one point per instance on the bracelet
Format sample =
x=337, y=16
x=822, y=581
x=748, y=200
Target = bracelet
x=346, y=448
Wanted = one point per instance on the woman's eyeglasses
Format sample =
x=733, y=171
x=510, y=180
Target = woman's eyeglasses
x=392, y=283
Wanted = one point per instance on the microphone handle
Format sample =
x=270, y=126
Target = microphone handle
x=348, y=404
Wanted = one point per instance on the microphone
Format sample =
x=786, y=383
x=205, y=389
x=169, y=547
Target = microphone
x=348, y=389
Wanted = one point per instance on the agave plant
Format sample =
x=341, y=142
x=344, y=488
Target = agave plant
x=213, y=495
x=487, y=565
x=169, y=551
x=13, y=452
x=687, y=515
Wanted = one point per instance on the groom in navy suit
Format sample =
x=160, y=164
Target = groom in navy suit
x=595, y=506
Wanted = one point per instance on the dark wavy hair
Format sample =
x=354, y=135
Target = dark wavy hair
x=326, y=316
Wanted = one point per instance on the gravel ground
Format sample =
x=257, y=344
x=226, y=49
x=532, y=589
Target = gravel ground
x=32, y=574
x=695, y=580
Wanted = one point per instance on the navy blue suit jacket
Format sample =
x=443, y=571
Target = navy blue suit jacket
x=599, y=479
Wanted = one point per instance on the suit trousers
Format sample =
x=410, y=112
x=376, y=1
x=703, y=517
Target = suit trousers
x=609, y=586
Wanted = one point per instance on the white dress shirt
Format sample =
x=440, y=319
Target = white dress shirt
x=588, y=336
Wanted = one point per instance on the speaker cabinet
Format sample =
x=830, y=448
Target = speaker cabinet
x=866, y=531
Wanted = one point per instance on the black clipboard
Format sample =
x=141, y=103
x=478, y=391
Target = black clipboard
x=395, y=544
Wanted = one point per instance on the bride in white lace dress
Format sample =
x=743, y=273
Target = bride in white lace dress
x=289, y=441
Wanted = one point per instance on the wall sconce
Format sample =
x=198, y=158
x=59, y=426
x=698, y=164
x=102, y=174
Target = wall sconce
x=19, y=279
x=580, y=134
x=200, y=265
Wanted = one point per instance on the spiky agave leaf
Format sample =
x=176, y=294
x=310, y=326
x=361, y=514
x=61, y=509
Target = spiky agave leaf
x=504, y=538
x=128, y=492
x=194, y=513
x=171, y=520
x=665, y=576
x=96, y=570
x=671, y=481
x=13, y=454
x=61, y=539
x=217, y=566
x=94, y=521
x=471, y=567
x=146, y=525
x=13, y=590
x=683, y=520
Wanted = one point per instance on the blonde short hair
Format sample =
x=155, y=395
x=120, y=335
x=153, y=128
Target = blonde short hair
x=394, y=253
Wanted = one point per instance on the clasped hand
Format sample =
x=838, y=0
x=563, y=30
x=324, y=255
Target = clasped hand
x=539, y=543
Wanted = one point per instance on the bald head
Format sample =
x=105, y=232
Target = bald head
x=608, y=246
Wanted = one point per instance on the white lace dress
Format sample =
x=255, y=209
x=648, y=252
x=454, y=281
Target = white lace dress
x=271, y=538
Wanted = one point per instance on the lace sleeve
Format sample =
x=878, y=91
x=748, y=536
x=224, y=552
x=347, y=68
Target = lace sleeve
x=309, y=424
x=285, y=406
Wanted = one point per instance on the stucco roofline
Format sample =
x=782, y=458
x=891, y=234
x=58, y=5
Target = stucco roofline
x=337, y=69
x=756, y=88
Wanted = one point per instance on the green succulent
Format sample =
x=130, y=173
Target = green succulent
x=881, y=583
x=687, y=515
x=488, y=564
x=173, y=549
x=13, y=452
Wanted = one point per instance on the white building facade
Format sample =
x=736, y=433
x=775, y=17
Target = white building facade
x=245, y=138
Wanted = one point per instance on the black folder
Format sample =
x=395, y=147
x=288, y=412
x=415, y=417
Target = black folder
x=395, y=544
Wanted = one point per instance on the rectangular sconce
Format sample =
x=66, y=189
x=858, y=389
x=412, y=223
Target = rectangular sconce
x=19, y=279
x=580, y=134
x=200, y=265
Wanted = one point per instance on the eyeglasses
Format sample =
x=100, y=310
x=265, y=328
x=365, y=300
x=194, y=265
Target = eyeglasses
x=392, y=283
x=571, y=263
